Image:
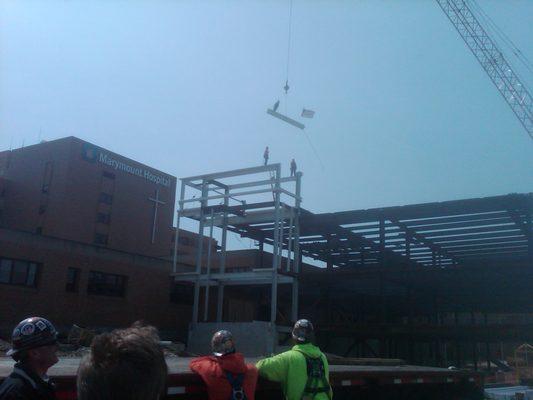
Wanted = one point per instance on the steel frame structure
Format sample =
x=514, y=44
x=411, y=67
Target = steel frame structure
x=448, y=234
x=384, y=265
x=208, y=199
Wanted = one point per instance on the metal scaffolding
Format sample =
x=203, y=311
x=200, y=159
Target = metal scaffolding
x=230, y=200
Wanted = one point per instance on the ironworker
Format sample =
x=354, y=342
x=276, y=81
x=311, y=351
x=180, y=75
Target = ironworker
x=34, y=348
x=302, y=371
x=265, y=156
x=293, y=167
x=225, y=373
x=123, y=364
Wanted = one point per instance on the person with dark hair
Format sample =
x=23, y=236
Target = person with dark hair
x=225, y=373
x=302, y=371
x=124, y=364
x=34, y=348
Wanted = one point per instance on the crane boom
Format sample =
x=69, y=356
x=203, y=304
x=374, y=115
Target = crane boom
x=492, y=60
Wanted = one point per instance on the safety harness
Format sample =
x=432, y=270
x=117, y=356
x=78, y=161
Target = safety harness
x=317, y=381
x=237, y=392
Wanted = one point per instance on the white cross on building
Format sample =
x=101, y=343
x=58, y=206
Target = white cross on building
x=156, y=205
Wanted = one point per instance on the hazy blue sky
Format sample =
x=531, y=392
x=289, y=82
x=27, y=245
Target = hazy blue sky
x=404, y=112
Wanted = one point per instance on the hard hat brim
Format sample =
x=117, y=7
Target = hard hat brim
x=12, y=352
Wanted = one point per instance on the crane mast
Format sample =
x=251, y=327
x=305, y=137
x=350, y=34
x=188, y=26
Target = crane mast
x=492, y=60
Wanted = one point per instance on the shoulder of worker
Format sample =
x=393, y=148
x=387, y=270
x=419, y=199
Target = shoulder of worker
x=16, y=387
x=233, y=363
x=308, y=349
x=199, y=363
x=251, y=369
x=237, y=363
x=11, y=387
x=286, y=357
x=277, y=358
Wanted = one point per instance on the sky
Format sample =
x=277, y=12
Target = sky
x=404, y=112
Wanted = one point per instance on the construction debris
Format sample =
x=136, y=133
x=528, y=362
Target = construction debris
x=4, y=346
x=80, y=336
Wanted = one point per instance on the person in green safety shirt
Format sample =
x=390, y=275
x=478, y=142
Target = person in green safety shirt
x=302, y=371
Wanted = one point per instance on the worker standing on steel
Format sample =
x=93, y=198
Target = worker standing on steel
x=225, y=373
x=302, y=371
x=265, y=156
x=293, y=167
x=34, y=348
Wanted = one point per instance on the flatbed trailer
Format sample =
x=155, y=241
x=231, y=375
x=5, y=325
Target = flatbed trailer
x=348, y=381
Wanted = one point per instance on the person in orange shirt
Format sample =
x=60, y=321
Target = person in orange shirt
x=225, y=373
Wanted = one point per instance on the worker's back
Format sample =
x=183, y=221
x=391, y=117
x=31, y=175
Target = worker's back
x=214, y=372
x=302, y=371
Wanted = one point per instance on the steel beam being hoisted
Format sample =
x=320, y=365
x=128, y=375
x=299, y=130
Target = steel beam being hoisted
x=286, y=119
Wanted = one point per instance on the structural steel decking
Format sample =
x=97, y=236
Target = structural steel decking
x=445, y=234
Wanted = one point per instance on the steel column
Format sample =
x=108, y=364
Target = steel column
x=199, y=255
x=180, y=207
x=274, y=291
x=206, y=306
x=220, y=292
x=297, y=254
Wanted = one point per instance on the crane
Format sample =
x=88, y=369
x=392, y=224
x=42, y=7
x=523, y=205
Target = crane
x=492, y=60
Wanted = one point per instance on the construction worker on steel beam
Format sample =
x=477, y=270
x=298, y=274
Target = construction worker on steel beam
x=293, y=167
x=265, y=156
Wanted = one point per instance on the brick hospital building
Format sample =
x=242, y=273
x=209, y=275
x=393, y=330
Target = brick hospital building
x=86, y=237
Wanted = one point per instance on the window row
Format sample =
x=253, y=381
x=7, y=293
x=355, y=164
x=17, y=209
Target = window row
x=100, y=283
x=18, y=272
x=25, y=273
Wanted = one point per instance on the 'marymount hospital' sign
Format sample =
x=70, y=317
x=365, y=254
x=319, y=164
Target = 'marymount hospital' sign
x=95, y=154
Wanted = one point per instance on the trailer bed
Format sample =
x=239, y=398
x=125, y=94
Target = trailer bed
x=347, y=381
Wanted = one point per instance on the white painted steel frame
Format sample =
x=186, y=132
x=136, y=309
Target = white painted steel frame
x=277, y=214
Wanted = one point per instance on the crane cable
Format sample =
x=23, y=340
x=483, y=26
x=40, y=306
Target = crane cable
x=501, y=34
x=314, y=150
x=287, y=87
x=514, y=48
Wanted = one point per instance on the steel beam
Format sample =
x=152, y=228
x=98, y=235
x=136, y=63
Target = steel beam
x=232, y=173
x=286, y=119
